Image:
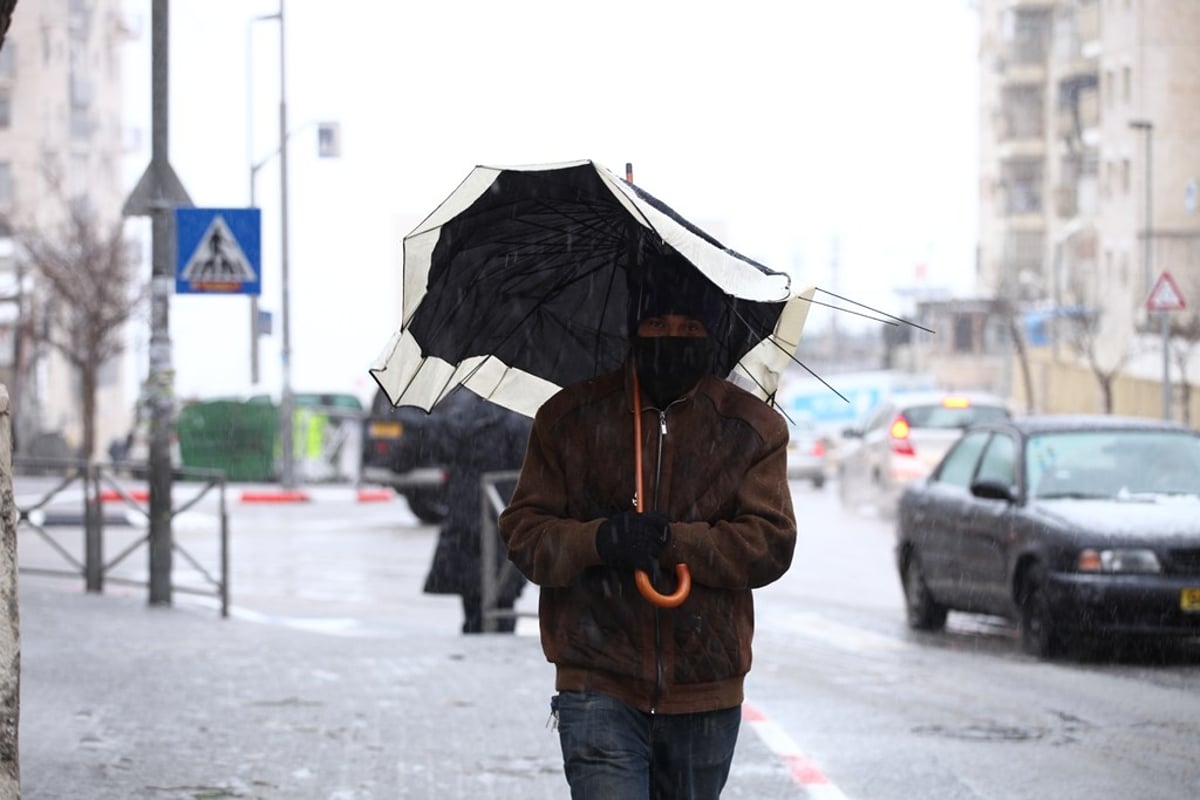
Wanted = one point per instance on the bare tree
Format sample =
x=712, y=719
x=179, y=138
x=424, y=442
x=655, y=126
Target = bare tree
x=87, y=279
x=1008, y=309
x=1083, y=334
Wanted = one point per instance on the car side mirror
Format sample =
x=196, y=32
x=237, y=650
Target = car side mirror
x=989, y=489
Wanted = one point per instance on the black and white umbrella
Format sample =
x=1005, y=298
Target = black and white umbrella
x=517, y=285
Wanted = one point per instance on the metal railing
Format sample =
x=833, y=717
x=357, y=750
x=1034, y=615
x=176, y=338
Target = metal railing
x=95, y=571
x=492, y=577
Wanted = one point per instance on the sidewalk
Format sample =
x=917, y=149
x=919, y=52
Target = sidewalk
x=122, y=701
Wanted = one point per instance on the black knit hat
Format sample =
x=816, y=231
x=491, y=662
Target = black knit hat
x=668, y=284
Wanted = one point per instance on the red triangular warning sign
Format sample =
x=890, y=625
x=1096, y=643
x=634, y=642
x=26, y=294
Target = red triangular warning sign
x=1165, y=296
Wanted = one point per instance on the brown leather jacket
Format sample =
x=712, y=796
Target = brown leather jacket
x=722, y=481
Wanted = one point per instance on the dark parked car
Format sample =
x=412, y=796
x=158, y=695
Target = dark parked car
x=399, y=451
x=414, y=452
x=1076, y=527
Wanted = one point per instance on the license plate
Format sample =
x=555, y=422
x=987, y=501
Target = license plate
x=1189, y=599
x=385, y=430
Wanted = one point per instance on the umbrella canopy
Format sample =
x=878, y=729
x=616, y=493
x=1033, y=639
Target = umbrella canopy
x=518, y=284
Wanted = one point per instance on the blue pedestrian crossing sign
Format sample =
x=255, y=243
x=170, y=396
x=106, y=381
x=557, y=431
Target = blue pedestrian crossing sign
x=218, y=251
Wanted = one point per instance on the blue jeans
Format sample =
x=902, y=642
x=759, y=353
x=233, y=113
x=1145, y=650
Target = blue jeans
x=614, y=752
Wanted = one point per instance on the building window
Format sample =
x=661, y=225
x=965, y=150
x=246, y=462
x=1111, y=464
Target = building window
x=1023, y=186
x=1024, y=113
x=1108, y=88
x=1023, y=252
x=1028, y=32
x=964, y=334
x=1124, y=269
x=7, y=190
x=1125, y=176
x=5, y=109
x=1127, y=84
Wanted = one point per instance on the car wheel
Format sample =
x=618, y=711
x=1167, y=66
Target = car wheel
x=1040, y=635
x=818, y=481
x=923, y=612
x=428, y=506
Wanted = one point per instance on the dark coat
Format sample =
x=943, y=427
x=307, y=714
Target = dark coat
x=472, y=436
x=724, y=487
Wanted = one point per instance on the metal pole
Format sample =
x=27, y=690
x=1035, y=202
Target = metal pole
x=285, y=404
x=93, y=532
x=253, y=172
x=487, y=559
x=1147, y=128
x=1164, y=317
x=160, y=377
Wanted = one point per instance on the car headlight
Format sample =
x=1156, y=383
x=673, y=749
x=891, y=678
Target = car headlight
x=1136, y=560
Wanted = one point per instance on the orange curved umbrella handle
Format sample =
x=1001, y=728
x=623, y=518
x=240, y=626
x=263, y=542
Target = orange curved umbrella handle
x=682, y=574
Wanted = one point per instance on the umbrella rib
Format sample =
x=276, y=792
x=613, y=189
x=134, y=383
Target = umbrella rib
x=869, y=308
x=792, y=356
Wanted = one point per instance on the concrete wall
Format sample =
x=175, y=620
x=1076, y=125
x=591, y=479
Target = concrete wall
x=1062, y=387
x=10, y=639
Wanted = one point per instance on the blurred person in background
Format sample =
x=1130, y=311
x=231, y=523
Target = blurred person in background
x=472, y=437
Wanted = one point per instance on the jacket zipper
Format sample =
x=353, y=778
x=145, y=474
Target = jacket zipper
x=659, y=677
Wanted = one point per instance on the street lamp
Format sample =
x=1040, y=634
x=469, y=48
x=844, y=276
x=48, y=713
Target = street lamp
x=255, y=166
x=1147, y=127
x=288, y=477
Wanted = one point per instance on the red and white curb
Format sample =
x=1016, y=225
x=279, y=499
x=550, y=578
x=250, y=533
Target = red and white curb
x=267, y=494
x=804, y=772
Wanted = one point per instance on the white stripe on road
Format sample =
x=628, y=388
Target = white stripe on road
x=847, y=637
x=804, y=772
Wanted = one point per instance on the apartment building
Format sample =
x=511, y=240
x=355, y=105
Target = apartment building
x=60, y=113
x=1090, y=137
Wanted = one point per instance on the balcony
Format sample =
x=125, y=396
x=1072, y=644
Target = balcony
x=1021, y=150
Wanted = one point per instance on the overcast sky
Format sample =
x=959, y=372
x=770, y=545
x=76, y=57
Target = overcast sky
x=780, y=127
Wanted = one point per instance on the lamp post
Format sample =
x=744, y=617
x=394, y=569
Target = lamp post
x=288, y=476
x=1147, y=127
x=255, y=166
x=285, y=399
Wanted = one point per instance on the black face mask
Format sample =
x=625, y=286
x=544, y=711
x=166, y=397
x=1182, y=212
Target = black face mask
x=669, y=366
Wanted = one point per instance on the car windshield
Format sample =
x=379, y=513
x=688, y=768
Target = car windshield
x=937, y=415
x=1105, y=463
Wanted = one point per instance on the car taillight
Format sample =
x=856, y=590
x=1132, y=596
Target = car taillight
x=818, y=448
x=898, y=437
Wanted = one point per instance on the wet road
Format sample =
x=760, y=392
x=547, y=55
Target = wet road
x=846, y=698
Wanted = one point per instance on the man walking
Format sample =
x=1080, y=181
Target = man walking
x=648, y=701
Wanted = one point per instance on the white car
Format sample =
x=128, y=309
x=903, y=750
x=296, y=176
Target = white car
x=806, y=451
x=904, y=438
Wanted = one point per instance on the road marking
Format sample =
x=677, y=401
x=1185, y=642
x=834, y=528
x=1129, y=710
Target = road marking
x=804, y=772
x=846, y=637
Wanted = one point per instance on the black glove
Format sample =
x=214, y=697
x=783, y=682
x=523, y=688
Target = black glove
x=633, y=540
